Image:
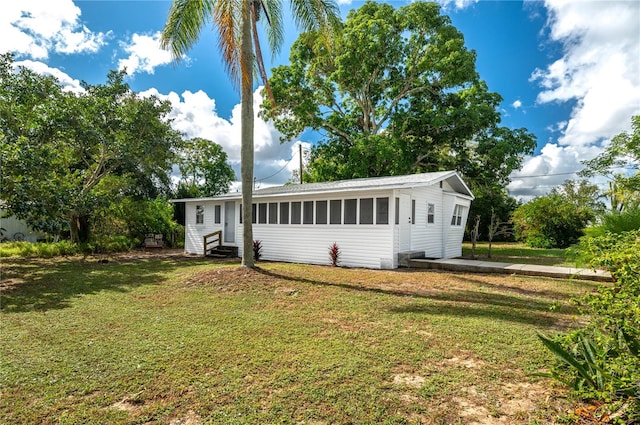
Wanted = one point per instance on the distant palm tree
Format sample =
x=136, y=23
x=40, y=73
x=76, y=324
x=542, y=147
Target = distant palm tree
x=236, y=23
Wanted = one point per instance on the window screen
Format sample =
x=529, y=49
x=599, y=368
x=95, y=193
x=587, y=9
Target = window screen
x=254, y=210
x=273, y=213
x=199, y=214
x=321, y=212
x=335, y=211
x=307, y=212
x=382, y=210
x=413, y=211
x=366, y=211
x=296, y=212
x=431, y=213
x=350, y=206
x=216, y=214
x=397, y=210
x=284, y=213
x=262, y=213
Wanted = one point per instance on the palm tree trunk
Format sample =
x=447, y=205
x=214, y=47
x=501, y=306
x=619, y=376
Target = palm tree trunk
x=246, y=135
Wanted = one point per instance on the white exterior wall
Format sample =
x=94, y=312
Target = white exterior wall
x=361, y=245
x=194, y=233
x=13, y=226
x=453, y=235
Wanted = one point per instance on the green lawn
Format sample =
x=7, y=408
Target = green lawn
x=184, y=340
x=512, y=252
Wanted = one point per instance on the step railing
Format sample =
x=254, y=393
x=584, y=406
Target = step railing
x=214, y=238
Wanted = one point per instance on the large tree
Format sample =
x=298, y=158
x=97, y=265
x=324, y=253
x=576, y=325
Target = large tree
x=623, y=153
x=204, y=170
x=397, y=93
x=64, y=155
x=236, y=24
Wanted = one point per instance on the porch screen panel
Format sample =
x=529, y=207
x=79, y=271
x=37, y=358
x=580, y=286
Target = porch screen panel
x=307, y=212
x=284, y=213
x=350, y=208
x=366, y=211
x=382, y=210
x=335, y=211
x=321, y=212
x=262, y=213
x=273, y=213
x=296, y=212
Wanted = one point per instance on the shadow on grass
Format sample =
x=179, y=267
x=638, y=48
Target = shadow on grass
x=531, y=308
x=44, y=284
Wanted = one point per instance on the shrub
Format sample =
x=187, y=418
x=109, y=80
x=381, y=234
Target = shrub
x=334, y=254
x=38, y=249
x=602, y=359
x=550, y=221
x=616, y=222
x=257, y=250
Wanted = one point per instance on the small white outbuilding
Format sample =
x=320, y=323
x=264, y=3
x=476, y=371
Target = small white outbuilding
x=376, y=222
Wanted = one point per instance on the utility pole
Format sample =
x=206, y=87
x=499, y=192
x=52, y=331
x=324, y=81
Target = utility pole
x=300, y=155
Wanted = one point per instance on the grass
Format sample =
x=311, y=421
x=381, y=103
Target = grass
x=511, y=252
x=180, y=340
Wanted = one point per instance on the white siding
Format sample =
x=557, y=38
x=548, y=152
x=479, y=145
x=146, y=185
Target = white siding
x=194, y=233
x=13, y=226
x=452, y=235
x=361, y=245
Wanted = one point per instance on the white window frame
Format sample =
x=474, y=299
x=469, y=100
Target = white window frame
x=199, y=214
x=431, y=213
x=456, y=218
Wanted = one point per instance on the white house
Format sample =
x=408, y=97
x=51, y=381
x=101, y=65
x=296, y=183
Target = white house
x=374, y=221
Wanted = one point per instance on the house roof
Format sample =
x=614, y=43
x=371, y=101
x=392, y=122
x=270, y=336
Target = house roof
x=372, y=183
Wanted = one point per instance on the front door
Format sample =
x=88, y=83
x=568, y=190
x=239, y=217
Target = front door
x=404, y=222
x=230, y=222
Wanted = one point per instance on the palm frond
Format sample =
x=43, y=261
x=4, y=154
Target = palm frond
x=184, y=25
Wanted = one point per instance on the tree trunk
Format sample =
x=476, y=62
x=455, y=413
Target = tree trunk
x=79, y=228
x=246, y=137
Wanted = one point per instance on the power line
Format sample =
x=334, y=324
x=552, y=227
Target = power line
x=277, y=172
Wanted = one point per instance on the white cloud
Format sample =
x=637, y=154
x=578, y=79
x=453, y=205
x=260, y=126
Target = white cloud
x=195, y=115
x=458, y=4
x=516, y=104
x=68, y=83
x=599, y=72
x=145, y=54
x=599, y=69
x=36, y=28
x=549, y=169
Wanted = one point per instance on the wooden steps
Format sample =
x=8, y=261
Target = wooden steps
x=223, y=251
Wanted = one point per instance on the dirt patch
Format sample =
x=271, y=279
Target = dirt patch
x=191, y=418
x=414, y=381
x=238, y=278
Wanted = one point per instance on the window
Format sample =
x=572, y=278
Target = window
x=382, y=210
x=335, y=211
x=366, y=211
x=262, y=213
x=413, y=211
x=321, y=212
x=217, y=212
x=273, y=213
x=397, y=210
x=307, y=211
x=284, y=213
x=431, y=213
x=456, y=220
x=350, y=206
x=253, y=213
x=296, y=212
x=199, y=214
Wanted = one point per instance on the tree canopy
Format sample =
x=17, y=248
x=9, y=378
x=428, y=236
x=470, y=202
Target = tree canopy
x=203, y=168
x=396, y=93
x=65, y=154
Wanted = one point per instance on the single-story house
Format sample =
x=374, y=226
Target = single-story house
x=374, y=221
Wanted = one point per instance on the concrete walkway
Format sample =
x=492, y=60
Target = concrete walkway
x=476, y=266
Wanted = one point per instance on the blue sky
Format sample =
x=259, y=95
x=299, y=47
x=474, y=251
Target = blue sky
x=568, y=71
